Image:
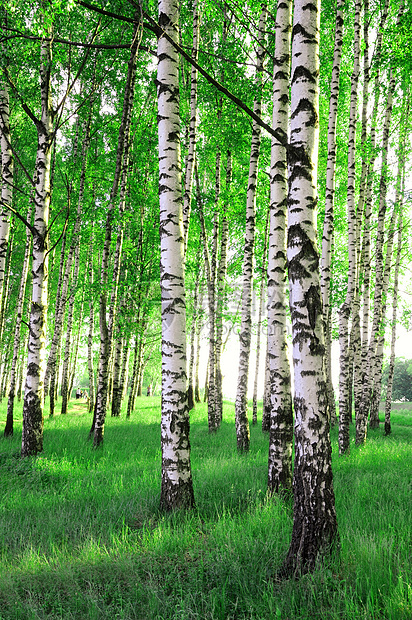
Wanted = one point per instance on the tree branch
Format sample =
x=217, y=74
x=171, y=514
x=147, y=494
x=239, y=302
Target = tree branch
x=32, y=229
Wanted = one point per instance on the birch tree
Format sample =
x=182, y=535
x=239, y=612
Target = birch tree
x=177, y=486
x=281, y=419
x=314, y=516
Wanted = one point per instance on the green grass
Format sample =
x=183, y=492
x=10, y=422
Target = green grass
x=81, y=535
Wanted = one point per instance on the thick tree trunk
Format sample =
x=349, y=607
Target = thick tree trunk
x=346, y=308
x=177, y=486
x=241, y=419
x=314, y=517
x=327, y=239
x=32, y=436
x=281, y=417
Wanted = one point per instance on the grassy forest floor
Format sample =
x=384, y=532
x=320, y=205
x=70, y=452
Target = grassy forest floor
x=81, y=535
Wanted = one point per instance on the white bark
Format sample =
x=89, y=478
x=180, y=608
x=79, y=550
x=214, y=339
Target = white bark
x=346, y=308
x=32, y=437
x=177, y=487
x=314, y=519
x=281, y=418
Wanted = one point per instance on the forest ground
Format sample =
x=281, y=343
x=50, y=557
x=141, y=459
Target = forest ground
x=81, y=535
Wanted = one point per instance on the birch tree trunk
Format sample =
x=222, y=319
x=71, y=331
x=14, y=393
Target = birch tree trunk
x=220, y=292
x=130, y=402
x=65, y=391
x=361, y=424
x=377, y=367
x=8, y=431
x=364, y=216
x=91, y=328
x=314, y=517
x=57, y=306
x=327, y=239
x=176, y=486
x=190, y=399
x=361, y=412
x=198, y=332
x=346, y=308
x=32, y=436
x=267, y=395
x=241, y=419
x=7, y=168
x=281, y=418
x=210, y=269
x=263, y=282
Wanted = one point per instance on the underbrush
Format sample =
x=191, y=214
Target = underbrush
x=81, y=535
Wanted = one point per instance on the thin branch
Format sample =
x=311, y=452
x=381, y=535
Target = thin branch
x=32, y=229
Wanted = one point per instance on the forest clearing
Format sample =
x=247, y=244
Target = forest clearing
x=183, y=183
x=82, y=535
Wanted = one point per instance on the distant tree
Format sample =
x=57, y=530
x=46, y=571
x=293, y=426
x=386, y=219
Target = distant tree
x=402, y=380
